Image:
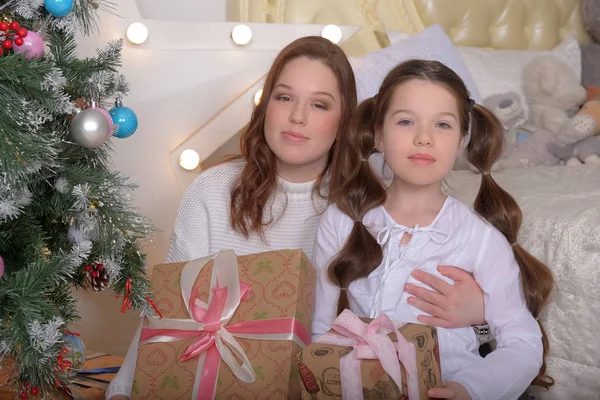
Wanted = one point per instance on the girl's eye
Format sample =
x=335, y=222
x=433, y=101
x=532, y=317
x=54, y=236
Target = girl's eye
x=321, y=106
x=405, y=122
x=443, y=125
x=283, y=98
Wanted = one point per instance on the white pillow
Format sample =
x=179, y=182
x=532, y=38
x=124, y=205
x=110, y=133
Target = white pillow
x=499, y=71
x=431, y=43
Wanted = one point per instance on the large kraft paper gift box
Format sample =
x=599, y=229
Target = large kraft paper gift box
x=231, y=328
x=362, y=358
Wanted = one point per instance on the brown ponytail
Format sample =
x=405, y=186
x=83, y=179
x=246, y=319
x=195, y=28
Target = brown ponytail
x=499, y=208
x=356, y=189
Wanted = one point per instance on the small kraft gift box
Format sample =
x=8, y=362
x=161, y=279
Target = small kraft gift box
x=230, y=328
x=373, y=359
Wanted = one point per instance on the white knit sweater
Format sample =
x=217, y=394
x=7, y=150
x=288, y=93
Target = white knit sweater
x=203, y=227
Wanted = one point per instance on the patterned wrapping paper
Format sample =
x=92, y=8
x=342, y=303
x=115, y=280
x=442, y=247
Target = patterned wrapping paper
x=281, y=286
x=322, y=374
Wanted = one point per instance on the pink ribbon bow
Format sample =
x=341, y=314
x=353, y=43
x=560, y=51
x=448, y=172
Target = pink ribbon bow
x=371, y=341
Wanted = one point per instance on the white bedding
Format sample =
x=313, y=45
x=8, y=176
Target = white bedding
x=561, y=207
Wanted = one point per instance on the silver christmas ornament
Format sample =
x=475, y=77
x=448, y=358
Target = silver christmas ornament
x=90, y=128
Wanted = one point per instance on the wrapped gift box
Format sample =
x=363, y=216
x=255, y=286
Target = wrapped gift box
x=363, y=358
x=238, y=335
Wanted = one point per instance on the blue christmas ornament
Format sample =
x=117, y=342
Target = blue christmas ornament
x=59, y=8
x=124, y=119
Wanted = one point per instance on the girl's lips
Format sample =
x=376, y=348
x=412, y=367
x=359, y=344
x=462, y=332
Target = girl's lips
x=294, y=136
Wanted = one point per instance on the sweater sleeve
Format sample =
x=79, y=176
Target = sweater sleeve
x=509, y=370
x=123, y=382
x=190, y=240
x=327, y=293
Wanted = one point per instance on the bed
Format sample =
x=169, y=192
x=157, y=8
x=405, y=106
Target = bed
x=561, y=204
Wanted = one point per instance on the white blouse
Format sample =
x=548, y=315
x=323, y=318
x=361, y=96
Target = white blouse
x=457, y=236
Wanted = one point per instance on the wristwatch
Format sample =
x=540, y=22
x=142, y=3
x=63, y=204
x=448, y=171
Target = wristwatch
x=482, y=332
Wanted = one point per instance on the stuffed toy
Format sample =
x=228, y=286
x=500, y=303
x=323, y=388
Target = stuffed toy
x=587, y=150
x=524, y=144
x=552, y=90
x=590, y=52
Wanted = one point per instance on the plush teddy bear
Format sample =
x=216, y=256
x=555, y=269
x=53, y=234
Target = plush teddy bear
x=590, y=52
x=586, y=150
x=552, y=91
x=524, y=144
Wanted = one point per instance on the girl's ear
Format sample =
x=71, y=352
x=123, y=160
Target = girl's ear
x=461, y=143
x=379, y=140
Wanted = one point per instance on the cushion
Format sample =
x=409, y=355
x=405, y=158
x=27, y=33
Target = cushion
x=431, y=43
x=499, y=71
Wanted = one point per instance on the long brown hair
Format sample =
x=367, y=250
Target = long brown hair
x=355, y=188
x=259, y=176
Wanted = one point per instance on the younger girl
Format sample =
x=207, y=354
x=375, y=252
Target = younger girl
x=372, y=239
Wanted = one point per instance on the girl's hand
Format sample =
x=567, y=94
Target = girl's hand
x=449, y=390
x=451, y=306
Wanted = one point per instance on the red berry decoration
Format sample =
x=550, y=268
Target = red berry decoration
x=19, y=41
x=23, y=394
x=99, y=267
x=3, y=26
x=7, y=44
x=87, y=268
x=14, y=25
x=94, y=274
x=22, y=32
x=35, y=391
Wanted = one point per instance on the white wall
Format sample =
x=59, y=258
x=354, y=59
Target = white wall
x=190, y=88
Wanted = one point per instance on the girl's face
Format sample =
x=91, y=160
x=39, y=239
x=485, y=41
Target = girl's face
x=421, y=133
x=302, y=117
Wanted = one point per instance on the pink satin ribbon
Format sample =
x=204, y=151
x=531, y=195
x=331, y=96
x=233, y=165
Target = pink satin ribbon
x=371, y=341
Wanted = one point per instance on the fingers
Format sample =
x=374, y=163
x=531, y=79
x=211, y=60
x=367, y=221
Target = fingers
x=426, y=295
x=433, y=321
x=441, y=393
x=456, y=274
x=432, y=281
x=426, y=307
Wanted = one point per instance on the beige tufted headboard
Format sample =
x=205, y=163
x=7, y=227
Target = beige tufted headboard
x=500, y=24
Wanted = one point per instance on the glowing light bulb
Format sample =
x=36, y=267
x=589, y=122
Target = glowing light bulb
x=241, y=35
x=332, y=32
x=257, y=97
x=189, y=159
x=137, y=33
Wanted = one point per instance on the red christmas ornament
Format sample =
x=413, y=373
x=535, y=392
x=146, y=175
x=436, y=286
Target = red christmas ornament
x=87, y=268
x=23, y=394
x=99, y=267
x=3, y=26
x=14, y=25
x=35, y=391
x=94, y=274
x=19, y=41
x=22, y=32
x=7, y=44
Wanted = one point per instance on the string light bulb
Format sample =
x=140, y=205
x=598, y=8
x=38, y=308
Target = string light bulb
x=137, y=33
x=241, y=35
x=189, y=159
x=333, y=33
x=257, y=97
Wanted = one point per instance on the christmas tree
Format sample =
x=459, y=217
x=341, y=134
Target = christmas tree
x=65, y=216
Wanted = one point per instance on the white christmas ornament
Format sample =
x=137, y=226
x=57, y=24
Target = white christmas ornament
x=90, y=128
